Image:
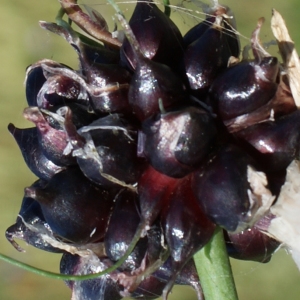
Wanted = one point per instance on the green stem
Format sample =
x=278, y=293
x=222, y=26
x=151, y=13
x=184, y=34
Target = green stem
x=214, y=269
x=167, y=7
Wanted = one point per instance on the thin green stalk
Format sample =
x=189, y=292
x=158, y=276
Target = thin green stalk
x=54, y=275
x=167, y=7
x=214, y=269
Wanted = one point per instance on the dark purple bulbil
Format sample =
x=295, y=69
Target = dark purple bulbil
x=97, y=150
x=159, y=38
x=228, y=204
x=102, y=288
x=187, y=276
x=244, y=87
x=177, y=141
x=251, y=244
x=33, y=155
x=198, y=30
x=114, y=97
x=277, y=142
x=153, y=190
x=52, y=141
x=204, y=65
x=119, y=234
x=29, y=222
x=186, y=227
x=150, y=288
x=154, y=85
x=75, y=209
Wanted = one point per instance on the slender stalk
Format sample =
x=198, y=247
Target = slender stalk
x=214, y=269
x=54, y=275
x=167, y=7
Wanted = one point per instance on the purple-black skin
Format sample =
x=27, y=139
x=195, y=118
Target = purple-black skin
x=221, y=185
x=198, y=30
x=75, y=209
x=52, y=141
x=98, y=54
x=217, y=16
x=187, y=276
x=117, y=152
x=185, y=226
x=151, y=84
x=33, y=155
x=150, y=288
x=244, y=87
x=153, y=286
x=205, y=58
x=114, y=81
x=153, y=190
x=120, y=234
x=159, y=38
x=34, y=82
x=103, y=287
x=277, y=142
x=176, y=142
x=31, y=213
x=90, y=52
x=251, y=244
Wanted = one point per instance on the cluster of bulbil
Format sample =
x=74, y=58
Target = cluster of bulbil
x=158, y=135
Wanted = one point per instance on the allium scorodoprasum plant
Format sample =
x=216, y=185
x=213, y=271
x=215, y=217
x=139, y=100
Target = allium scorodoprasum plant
x=161, y=154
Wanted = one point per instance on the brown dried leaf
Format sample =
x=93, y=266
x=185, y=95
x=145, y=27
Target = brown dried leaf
x=288, y=54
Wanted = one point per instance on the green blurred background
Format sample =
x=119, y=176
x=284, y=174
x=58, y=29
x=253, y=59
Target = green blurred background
x=22, y=43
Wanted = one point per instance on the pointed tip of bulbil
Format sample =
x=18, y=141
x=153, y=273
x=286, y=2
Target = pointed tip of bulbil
x=17, y=133
x=11, y=128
